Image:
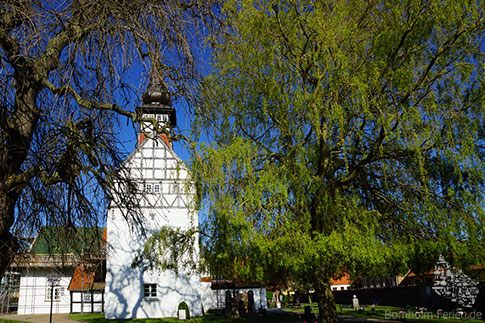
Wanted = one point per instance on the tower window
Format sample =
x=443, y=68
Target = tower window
x=148, y=188
x=162, y=118
x=149, y=290
x=156, y=188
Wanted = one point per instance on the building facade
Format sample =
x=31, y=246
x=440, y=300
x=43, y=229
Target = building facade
x=163, y=199
x=46, y=271
x=36, y=293
x=112, y=279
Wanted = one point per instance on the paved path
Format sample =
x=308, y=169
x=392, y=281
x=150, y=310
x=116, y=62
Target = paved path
x=39, y=318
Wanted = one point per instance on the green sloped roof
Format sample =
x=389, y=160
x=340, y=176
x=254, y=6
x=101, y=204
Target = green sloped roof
x=53, y=240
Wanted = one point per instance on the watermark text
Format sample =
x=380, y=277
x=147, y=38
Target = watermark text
x=474, y=315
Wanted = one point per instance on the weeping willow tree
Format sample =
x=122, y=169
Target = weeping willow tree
x=65, y=83
x=342, y=136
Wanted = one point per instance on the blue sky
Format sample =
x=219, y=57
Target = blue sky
x=138, y=80
x=128, y=131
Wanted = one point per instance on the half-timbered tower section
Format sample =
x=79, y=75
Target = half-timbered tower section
x=160, y=179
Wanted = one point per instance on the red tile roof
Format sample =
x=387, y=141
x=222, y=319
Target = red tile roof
x=83, y=279
x=343, y=280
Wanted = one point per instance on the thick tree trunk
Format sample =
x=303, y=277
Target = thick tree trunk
x=8, y=243
x=14, y=148
x=8, y=248
x=326, y=301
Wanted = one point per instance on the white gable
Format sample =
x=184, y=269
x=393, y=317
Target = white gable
x=161, y=183
x=153, y=159
x=163, y=199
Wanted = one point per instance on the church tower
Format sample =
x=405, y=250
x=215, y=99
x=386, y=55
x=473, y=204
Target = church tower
x=157, y=105
x=163, y=199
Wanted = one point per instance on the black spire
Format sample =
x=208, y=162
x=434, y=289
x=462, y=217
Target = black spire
x=157, y=90
x=156, y=100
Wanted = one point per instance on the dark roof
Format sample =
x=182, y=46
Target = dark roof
x=231, y=284
x=52, y=240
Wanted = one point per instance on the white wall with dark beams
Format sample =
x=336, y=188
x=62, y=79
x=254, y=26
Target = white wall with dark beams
x=162, y=179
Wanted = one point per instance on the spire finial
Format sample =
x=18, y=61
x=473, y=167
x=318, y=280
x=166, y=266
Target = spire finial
x=157, y=90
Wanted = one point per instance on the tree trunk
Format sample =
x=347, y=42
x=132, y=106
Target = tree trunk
x=13, y=153
x=8, y=248
x=8, y=243
x=326, y=301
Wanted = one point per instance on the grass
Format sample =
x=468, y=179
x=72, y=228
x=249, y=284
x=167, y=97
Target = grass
x=381, y=313
x=390, y=312
x=99, y=318
x=387, y=313
x=12, y=321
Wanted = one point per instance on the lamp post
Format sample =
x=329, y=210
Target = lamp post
x=53, y=281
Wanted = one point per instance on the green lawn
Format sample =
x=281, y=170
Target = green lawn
x=389, y=312
x=381, y=312
x=99, y=318
x=386, y=313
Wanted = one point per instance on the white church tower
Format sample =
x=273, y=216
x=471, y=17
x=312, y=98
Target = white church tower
x=161, y=178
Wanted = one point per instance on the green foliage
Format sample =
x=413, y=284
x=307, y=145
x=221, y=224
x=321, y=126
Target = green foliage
x=344, y=136
x=269, y=295
x=169, y=248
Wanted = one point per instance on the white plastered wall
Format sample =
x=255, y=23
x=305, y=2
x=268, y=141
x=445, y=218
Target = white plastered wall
x=151, y=163
x=33, y=290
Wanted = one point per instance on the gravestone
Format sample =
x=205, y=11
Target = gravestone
x=231, y=306
x=251, y=308
x=182, y=315
x=355, y=302
x=243, y=303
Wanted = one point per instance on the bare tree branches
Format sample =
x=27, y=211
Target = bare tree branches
x=65, y=78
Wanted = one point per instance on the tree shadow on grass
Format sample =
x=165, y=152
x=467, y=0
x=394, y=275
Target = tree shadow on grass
x=269, y=318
